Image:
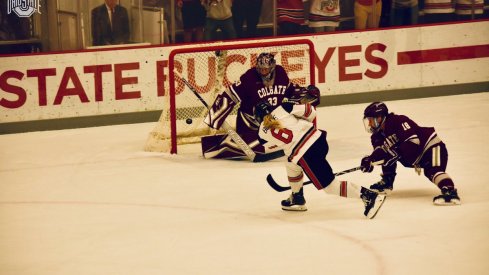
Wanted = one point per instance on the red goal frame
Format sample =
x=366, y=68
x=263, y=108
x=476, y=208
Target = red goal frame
x=221, y=47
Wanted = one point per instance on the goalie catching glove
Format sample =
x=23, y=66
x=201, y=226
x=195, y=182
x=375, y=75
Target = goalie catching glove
x=309, y=94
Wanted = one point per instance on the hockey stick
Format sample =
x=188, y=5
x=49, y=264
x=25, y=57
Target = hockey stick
x=229, y=130
x=280, y=188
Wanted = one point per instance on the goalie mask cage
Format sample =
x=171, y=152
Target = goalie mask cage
x=209, y=70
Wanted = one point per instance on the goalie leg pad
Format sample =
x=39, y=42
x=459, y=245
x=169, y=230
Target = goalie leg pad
x=223, y=147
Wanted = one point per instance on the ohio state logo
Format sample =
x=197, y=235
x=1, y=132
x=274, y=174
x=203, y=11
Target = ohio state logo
x=329, y=5
x=23, y=8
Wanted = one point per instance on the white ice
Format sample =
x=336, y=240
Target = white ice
x=90, y=201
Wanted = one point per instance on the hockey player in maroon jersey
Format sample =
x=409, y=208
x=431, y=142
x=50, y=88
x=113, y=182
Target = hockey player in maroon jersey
x=398, y=138
x=267, y=81
x=290, y=127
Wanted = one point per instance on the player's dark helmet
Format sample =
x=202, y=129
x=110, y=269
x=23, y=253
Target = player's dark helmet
x=310, y=94
x=265, y=66
x=262, y=109
x=376, y=109
x=371, y=116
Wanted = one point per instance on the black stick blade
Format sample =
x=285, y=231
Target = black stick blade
x=275, y=185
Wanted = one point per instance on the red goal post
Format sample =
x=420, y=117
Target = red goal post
x=209, y=70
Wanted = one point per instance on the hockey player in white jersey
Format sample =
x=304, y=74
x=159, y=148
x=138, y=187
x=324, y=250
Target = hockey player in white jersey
x=290, y=127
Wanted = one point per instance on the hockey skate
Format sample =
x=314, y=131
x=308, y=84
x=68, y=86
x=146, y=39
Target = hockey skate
x=295, y=202
x=447, y=197
x=373, y=201
x=381, y=187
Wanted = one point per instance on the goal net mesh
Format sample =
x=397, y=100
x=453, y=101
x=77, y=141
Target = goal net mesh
x=208, y=71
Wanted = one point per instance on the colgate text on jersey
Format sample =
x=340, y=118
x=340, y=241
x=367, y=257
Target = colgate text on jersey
x=272, y=90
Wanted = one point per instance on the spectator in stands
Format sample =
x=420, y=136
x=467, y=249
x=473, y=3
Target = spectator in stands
x=218, y=16
x=110, y=24
x=404, y=12
x=290, y=16
x=193, y=16
x=324, y=16
x=469, y=9
x=385, y=13
x=367, y=14
x=248, y=11
x=435, y=11
x=13, y=27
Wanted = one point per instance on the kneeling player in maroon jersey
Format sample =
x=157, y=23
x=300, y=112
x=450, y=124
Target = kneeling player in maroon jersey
x=290, y=126
x=266, y=82
x=398, y=138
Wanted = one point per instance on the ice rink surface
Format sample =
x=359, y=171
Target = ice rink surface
x=91, y=201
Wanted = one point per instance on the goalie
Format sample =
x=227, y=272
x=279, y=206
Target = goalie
x=265, y=82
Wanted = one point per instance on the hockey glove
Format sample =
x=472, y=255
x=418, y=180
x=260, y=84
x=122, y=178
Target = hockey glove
x=366, y=165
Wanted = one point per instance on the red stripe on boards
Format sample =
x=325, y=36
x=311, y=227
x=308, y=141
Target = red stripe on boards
x=442, y=54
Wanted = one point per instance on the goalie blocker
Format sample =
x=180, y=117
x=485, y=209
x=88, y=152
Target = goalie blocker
x=222, y=146
x=267, y=81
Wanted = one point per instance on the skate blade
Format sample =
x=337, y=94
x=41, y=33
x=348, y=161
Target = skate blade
x=379, y=201
x=442, y=202
x=295, y=208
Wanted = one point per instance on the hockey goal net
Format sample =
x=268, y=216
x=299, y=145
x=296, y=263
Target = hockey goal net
x=208, y=70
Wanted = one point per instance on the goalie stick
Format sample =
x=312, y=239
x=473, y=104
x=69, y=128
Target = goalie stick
x=229, y=130
x=277, y=187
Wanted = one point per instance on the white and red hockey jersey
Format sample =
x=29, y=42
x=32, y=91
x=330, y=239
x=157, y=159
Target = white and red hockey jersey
x=291, y=11
x=464, y=7
x=297, y=132
x=438, y=6
x=324, y=13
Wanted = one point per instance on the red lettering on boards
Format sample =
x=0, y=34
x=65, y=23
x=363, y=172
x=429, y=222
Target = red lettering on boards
x=14, y=95
x=97, y=71
x=16, y=90
x=382, y=63
x=63, y=90
x=348, y=63
x=41, y=75
x=161, y=77
x=121, y=81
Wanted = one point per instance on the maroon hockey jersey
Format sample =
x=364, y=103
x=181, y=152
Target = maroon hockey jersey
x=248, y=91
x=402, y=140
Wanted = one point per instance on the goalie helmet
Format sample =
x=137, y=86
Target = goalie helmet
x=265, y=66
x=261, y=110
x=310, y=95
x=374, y=116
